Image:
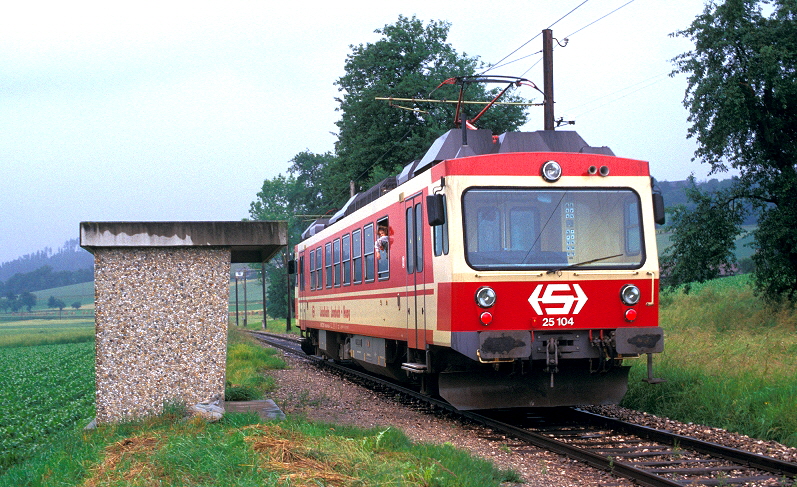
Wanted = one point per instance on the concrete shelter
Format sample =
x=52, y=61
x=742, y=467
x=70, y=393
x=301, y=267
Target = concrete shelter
x=161, y=308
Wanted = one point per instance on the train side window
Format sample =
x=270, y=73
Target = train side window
x=346, y=259
x=312, y=269
x=336, y=260
x=441, y=235
x=368, y=251
x=319, y=274
x=633, y=243
x=419, y=237
x=301, y=272
x=382, y=248
x=410, y=240
x=357, y=255
x=328, y=263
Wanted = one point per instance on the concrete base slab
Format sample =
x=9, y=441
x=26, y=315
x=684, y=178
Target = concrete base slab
x=266, y=408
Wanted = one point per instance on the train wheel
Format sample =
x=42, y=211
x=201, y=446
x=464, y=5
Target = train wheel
x=429, y=385
x=308, y=347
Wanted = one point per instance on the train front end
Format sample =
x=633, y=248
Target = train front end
x=552, y=283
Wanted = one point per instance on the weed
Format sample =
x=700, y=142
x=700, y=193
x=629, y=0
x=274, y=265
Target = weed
x=543, y=467
x=241, y=393
x=174, y=410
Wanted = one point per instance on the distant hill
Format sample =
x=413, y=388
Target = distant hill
x=45, y=269
x=70, y=257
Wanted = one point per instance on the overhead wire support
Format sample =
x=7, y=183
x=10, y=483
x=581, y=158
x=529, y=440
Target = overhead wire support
x=464, y=102
x=464, y=81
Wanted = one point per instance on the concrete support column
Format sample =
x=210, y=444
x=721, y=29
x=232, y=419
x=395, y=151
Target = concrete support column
x=161, y=323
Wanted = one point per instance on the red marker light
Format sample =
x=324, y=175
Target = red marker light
x=630, y=315
x=486, y=318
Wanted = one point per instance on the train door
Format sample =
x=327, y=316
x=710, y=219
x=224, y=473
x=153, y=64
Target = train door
x=301, y=277
x=415, y=296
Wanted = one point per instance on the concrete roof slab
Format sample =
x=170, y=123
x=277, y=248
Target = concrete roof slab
x=248, y=241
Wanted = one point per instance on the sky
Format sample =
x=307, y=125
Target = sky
x=178, y=111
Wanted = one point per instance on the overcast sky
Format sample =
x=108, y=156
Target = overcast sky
x=137, y=111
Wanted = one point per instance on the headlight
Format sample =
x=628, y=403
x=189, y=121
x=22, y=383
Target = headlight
x=551, y=171
x=485, y=297
x=630, y=294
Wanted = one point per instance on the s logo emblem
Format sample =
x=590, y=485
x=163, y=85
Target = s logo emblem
x=561, y=294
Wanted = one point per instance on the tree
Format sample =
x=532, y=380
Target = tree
x=742, y=101
x=54, y=302
x=703, y=239
x=297, y=199
x=410, y=60
x=76, y=305
x=28, y=300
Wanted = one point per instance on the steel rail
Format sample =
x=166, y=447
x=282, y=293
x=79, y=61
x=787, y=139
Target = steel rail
x=742, y=457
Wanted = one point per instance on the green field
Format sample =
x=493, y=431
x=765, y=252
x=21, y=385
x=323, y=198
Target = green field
x=37, y=331
x=742, y=250
x=250, y=297
x=46, y=389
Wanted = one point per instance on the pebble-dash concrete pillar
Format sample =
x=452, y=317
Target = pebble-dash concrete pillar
x=161, y=308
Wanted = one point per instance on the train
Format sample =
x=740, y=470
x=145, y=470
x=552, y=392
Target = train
x=496, y=271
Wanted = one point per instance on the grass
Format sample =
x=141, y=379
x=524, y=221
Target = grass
x=272, y=325
x=247, y=366
x=242, y=450
x=730, y=361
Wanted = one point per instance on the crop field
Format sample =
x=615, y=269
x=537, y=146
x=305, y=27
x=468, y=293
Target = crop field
x=38, y=331
x=46, y=389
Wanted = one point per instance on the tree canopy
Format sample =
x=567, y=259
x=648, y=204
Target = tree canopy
x=703, y=240
x=742, y=101
x=410, y=60
x=295, y=198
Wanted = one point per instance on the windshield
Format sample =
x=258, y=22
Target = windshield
x=518, y=229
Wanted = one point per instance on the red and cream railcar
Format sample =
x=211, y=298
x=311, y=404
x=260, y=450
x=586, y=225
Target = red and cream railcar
x=519, y=271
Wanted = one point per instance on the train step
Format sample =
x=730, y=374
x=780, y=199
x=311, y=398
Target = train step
x=415, y=367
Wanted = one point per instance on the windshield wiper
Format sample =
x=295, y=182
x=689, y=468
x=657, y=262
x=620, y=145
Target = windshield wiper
x=559, y=269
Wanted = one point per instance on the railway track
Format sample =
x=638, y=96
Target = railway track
x=647, y=456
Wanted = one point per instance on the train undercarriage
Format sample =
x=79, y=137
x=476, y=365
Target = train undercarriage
x=562, y=369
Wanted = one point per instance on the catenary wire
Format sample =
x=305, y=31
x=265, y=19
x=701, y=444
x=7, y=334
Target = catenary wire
x=536, y=36
x=599, y=19
x=620, y=97
x=566, y=37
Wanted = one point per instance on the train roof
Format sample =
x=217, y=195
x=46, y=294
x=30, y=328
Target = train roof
x=458, y=143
